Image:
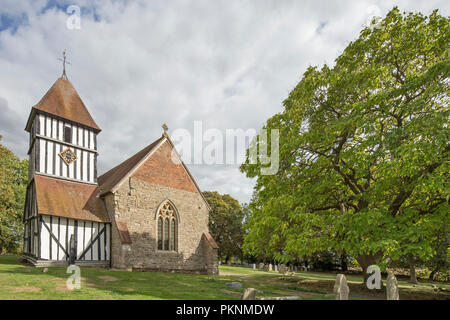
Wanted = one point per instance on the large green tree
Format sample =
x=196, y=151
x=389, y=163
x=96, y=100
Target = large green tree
x=225, y=224
x=364, y=150
x=13, y=183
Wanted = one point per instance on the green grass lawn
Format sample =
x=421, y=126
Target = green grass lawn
x=19, y=281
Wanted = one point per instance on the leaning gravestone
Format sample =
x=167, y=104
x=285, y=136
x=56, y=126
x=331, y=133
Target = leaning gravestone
x=392, y=287
x=249, y=294
x=341, y=289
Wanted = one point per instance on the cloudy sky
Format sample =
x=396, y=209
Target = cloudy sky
x=139, y=64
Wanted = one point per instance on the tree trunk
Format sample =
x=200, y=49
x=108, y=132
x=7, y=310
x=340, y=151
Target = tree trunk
x=412, y=269
x=365, y=261
x=431, y=277
x=343, y=261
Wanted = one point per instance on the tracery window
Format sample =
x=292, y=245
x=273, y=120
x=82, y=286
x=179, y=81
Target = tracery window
x=167, y=228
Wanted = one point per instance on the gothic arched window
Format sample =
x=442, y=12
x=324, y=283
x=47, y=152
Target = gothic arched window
x=167, y=228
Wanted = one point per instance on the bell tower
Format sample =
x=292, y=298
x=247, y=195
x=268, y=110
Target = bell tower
x=64, y=220
x=63, y=136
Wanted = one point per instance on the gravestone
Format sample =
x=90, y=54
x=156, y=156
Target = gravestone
x=235, y=285
x=341, y=289
x=254, y=266
x=261, y=266
x=270, y=267
x=249, y=294
x=283, y=268
x=275, y=267
x=392, y=287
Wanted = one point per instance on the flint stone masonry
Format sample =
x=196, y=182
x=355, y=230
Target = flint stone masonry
x=136, y=203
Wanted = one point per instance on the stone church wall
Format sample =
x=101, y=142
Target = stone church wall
x=135, y=203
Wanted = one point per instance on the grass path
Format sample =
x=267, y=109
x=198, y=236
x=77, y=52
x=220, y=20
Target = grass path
x=19, y=281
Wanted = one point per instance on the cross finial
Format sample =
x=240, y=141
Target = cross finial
x=165, y=128
x=64, y=76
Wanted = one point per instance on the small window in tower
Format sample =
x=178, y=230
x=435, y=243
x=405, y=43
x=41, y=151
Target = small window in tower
x=67, y=136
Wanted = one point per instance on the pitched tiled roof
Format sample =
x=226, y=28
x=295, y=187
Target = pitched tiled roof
x=210, y=240
x=62, y=100
x=69, y=199
x=124, y=234
x=110, y=179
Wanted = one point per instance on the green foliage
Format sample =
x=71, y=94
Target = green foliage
x=13, y=183
x=225, y=224
x=364, y=150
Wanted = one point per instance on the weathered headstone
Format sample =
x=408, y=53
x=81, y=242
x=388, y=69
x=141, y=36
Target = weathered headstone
x=249, y=294
x=283, y=269
x=235, y=285
x=341, y=289
x=254, y=266
x=392, y=287
x=275, y=267
x=270, y=267
x=261, y=266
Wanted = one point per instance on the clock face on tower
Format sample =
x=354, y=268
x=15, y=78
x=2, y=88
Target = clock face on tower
x=68, y=156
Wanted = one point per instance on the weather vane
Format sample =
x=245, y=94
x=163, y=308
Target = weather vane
x=64, y=76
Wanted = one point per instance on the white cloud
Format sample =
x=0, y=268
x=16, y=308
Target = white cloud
x=140, y=64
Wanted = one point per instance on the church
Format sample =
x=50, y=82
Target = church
x=146, y=213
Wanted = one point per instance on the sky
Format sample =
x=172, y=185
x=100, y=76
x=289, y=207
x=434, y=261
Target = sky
x=139, y=64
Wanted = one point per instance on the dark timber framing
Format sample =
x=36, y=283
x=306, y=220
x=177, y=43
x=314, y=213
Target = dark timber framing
x=52, y=236
x=97, y=237
x=46, y=141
